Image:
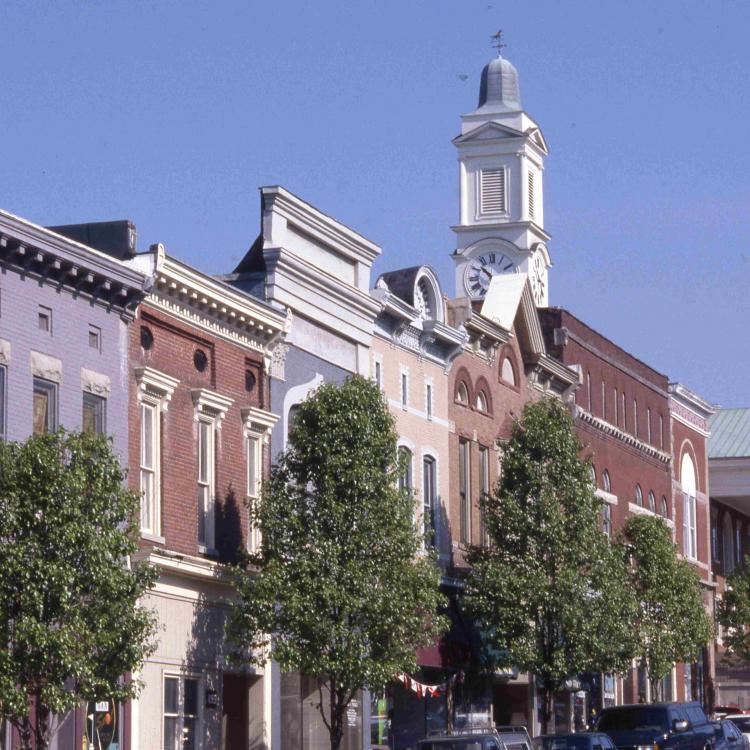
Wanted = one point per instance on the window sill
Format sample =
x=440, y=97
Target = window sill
x=147, y=536
x=208, y=551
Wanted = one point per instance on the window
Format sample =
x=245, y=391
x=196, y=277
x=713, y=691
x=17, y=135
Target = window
x=624, y=414
x=481, y=402
x=428, y=400
x=664, y=507
x=492, y=191
x=95, y=338
x=2, y=402
x=638, y=495
x=714, y=536
x=150, y=455
x=181, y=713
x=507, y=373
x=588, y=389
x=648, y=425
x=635, y=418
x=94, y=413
x=592, y=474
x=463, y=489
x=604, y=401
x=606, y=484
x=404, y=390
x=530, y=186
x=661, y=432
x=45, y=406
x=462, y=394
x=484, y=490
x=405, y=476
x=738, y=544
x=206, y=452
x=44, y=319
x=689, y=535
x=253, y=449
x=428, y=498
x=607, y=519
x=616, y=412
x=379, y=375
x=651, y=501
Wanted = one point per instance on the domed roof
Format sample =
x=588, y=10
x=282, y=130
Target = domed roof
x=499, y=86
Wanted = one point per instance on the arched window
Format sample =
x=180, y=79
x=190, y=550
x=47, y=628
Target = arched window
x=481, y=403
x=606, y=484
x=405, y=481
x=462, y=394
x=689, y=524
x=592, y=474
x=507, y=373
x=728, y=544
x=664, y=507
x=651, y=501
x=638, y=495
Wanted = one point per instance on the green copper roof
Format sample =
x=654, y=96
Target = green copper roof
x=730, y=434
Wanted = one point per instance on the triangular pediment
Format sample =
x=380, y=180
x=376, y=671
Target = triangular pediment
x=536, y=137
x=490, y=131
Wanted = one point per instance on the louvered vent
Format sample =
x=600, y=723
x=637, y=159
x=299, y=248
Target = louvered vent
x=531, y=196
x=492, y=191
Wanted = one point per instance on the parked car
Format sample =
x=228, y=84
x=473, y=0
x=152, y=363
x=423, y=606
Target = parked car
x=578, y=741
x=666, y=726
x=729, y=736
x=741, y=721
x=721, y=712
x=468, y=738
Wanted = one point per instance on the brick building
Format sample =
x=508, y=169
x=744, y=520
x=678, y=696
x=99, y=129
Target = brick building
x=729, y=470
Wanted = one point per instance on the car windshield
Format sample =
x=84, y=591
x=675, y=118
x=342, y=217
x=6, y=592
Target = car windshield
x=641, y=719
x=565, y=743
x=743, y=723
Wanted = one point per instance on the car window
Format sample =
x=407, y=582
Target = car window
x=566, y=743
x=491, y=745
x=742, y=724
x=633, y=719
x=695, y=715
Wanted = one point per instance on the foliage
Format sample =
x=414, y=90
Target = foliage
x=734, y=614
x=342, y=591
x=68, y=600
x=549, y=591
x=672, y=623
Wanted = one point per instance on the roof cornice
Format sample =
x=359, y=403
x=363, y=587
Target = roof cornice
x=64, y=263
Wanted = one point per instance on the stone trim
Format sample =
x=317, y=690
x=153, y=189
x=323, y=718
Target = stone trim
x=259, y=421
x=46, y=367
x=94, y=382
x=4, y=352
x=210, y=404
x=155, y=384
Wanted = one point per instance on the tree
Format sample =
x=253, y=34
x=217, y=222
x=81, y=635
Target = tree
x=734, y=614
x=68, y=598
x=671, y=622
x=342, y=589
x=549, y=591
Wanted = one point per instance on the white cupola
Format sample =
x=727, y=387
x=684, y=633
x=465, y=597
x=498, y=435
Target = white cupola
x=501, y=154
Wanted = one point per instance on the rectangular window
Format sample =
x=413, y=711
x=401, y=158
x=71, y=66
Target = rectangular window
x=253, y=446
x=3, y=401
x=428, y=400
x=738, y=543
x=607, y=519
x=150, y=457
x=94, y=413
x=379, y=375
x=464, y=492
x=181, y=713
x=492, y=191
x=95, y=338
x=616, y=412
x=624, y=414
x=206, y=439
x=45, y=406
x=604, y=401
x=428, y=498
x=648, y=424
x=714, y=537
x=484, y=489
x=689, y=540
x=661, y=432
x=635, y=418
x=404, y=390
x=532, y=207
x=588, y=389
x=44, y=319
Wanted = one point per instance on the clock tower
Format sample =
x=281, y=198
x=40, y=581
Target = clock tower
x=501, y=154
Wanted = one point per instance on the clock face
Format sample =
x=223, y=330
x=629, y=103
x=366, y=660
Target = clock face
x=481, y=270
x=538, y=279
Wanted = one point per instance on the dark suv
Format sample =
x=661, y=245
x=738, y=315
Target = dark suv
x=658, y=726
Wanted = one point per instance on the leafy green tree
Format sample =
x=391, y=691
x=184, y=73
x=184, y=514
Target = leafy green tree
x=550, y=592
x=341, y=589
x=734, y=615
x=69, y=618
x=671, y=623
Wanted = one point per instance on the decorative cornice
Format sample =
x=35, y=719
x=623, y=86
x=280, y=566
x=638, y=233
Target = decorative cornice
x=46, y=367
x=94, y=382
x=32, y=250
x=184, y=565
x=155, y=384
x=259, y=420
x=208, y=403
x=690, y=409
x=618, y=434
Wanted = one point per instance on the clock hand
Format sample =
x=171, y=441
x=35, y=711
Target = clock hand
x=488, y=272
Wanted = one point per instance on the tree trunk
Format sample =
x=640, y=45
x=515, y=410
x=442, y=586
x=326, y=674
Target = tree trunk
x=42, y=725
x=24, y=732
x=336, y=728
x=548, y=710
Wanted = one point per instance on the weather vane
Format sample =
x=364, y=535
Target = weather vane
x=497, y=41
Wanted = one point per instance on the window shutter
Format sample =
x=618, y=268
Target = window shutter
x=531, y=195
x=492, y=191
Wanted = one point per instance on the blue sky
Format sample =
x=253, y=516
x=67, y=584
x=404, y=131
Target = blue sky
x=174, y=113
